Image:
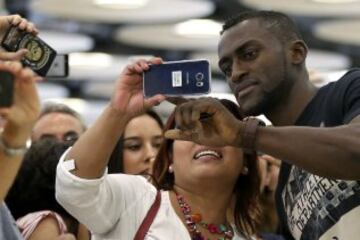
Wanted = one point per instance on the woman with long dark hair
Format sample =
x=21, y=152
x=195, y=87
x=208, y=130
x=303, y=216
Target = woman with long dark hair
x=204, y=192
x=135, y=151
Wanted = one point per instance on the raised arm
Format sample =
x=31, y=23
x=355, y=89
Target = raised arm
x=332, y=152
x=19, y=120
x=92, y=151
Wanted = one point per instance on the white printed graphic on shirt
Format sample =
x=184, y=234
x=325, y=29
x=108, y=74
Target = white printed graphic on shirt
x=317, y=204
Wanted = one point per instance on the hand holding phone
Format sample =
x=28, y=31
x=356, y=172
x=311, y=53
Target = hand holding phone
x=187, y=77
x=40, y=55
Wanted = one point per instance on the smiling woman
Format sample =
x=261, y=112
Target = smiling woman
x=217, y=174
x=204, y=192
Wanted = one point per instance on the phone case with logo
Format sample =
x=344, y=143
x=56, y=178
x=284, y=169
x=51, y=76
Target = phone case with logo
x=40, y=55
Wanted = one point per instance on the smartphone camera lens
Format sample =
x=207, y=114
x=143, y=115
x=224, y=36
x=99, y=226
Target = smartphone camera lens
x=199, y=76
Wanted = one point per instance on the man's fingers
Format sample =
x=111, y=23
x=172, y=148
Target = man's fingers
x=177, y=134
x=177, y=100
x=172, y=134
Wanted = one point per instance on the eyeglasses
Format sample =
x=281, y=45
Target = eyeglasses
x=69, y=136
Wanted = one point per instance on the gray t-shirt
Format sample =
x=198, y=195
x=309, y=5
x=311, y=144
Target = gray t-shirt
x=8, y=228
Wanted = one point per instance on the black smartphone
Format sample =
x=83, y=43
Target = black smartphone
x=60, y=67
x=186, y=77
x=6, y=88
x=40, y=55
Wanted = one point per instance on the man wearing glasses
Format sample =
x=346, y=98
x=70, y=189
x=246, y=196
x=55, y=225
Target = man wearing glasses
x=58, y=121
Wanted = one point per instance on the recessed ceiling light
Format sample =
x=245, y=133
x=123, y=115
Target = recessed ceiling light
x=121, y=4
x=198, y=28
x=335, y=1
x=88, y=60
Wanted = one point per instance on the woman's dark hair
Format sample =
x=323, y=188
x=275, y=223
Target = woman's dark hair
x=34, y=186
x=246, y=190
x=116, y=162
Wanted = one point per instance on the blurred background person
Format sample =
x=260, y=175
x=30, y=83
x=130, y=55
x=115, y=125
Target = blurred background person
x=31, y=199
x=269, y=168
x=136, y=149
x=58, y=121
x=18, y=122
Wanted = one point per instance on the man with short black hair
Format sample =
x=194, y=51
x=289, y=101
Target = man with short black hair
x=316, y=132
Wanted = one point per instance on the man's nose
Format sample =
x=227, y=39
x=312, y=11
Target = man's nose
x=238, y=72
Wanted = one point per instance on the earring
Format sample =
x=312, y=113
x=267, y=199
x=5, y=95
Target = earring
x=171, y=170
x=245, y=171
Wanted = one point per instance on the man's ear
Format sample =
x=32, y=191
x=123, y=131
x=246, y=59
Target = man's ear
x=298, y=52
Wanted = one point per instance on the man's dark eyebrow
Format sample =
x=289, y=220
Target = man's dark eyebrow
x=237, y=50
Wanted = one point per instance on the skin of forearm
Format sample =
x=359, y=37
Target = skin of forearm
x=8, y=170
x=92, y=151
x=9, y=166
x=328, y=152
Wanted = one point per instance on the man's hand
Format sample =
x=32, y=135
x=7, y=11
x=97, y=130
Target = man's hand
x=14, y=20
x=21, y=116
x=128, y=96
x=206, y=121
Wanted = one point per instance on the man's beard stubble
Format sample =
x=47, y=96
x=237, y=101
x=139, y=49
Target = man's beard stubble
x=275, y=98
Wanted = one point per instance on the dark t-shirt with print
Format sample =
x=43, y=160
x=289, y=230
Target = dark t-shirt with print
x=313, y=207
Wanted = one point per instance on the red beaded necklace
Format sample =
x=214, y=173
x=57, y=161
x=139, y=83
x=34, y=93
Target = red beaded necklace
x=192, y=221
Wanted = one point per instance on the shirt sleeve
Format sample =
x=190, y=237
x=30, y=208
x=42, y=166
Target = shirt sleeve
x=31, y=221
x=352, y=97
x=99, y=203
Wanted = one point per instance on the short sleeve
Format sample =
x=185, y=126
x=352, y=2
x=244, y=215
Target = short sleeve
x=352, y=96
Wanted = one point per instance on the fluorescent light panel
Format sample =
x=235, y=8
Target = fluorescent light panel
x=198, y=28
x=121, y=4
